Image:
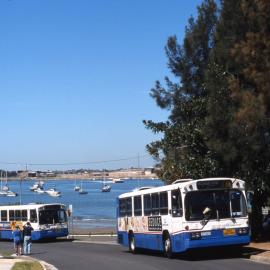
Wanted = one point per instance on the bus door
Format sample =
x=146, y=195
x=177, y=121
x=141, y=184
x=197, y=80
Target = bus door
x=176, y=210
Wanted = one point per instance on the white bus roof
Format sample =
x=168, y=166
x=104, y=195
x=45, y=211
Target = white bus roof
x=181, y=183
x=27, y=206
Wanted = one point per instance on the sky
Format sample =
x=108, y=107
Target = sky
x=75, y=78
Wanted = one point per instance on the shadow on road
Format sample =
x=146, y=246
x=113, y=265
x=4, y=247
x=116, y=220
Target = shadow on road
x=217, y=253
x=53, y=240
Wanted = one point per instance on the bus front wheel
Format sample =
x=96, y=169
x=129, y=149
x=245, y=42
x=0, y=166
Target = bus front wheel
x=167, y=246
x=132, y=246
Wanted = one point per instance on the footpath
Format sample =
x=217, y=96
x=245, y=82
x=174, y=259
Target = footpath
x=261, y=252
x=258, y=252
x=6, y=263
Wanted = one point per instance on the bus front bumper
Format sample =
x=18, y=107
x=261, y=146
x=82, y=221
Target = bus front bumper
x=51, y=233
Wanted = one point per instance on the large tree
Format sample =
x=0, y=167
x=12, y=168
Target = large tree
x=251, y=99
x=182, y=151
x=238, y=83
x=230, y=29
x=219, y=106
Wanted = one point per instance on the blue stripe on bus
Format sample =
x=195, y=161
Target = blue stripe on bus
x=181, y=242
x=6, y=234
x=36, y=235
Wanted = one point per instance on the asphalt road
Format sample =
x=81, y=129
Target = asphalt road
x=67, y=255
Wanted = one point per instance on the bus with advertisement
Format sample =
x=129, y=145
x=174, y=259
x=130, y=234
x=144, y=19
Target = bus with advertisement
x=184, y=215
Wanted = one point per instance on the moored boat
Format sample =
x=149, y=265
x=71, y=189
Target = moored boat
x=37, y=185
x=81, y=191
x=76, y=187
x=53, y=192
x=118, y=180
x=106, y=188
x=40, y=190
x=11, y=193
x=5, y=188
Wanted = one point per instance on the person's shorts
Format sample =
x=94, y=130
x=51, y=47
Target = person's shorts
x=17, y=242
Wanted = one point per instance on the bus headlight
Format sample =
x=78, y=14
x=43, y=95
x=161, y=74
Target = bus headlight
x=195, y=236
x=243, y=231
x=42, y=227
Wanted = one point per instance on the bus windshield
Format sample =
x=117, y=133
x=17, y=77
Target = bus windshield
x=217, y=203
x=52, y=216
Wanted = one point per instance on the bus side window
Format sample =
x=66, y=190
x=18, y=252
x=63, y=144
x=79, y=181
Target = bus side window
x=147, y=204
x=24, y=215
x=3, y=215
x=18, y=215
x=125, y=207
x=155, y=203
x=129, y=207
x=137, y=206
x=33, y=215
x=177, y=209
x=163, y=197
x=11, y=215
x=122, y=207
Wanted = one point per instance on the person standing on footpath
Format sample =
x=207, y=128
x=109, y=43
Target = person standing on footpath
x=17, y=237
x=27, y=231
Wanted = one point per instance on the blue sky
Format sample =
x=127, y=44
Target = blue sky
x=75, y=77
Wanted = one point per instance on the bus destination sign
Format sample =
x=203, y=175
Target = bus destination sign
x=219, y=184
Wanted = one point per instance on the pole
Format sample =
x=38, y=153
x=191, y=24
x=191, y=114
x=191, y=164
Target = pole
x=138, y=181
x=20, y=190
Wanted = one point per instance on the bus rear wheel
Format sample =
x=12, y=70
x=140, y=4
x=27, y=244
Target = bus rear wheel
x=132, y=245
x=167, y=247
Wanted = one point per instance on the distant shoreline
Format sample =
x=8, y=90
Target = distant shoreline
x=76, y=178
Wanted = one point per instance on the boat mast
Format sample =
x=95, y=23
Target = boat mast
x=1, y=180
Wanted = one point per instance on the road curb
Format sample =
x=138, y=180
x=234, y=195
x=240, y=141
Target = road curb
x=262, y=258
x=47, y=266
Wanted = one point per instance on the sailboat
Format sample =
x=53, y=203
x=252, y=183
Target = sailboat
x=76, y=187
x=81, y=191
x=5, y=187
x=37, y=185
x=105, y=187
x=2, y=192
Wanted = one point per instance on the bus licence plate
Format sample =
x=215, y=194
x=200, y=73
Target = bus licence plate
x=229, y=232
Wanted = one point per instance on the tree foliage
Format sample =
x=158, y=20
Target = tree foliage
x=251, y=98
x=219, y=100
x=182, y=151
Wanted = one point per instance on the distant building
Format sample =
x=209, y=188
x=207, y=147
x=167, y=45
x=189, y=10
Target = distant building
x=32, y=174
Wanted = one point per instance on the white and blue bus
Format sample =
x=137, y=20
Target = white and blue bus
x=47, y=220
x=184, y=215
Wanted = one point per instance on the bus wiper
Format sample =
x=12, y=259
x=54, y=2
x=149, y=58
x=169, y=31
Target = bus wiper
x=206, y=213
x=233, y=218
x=204, y=222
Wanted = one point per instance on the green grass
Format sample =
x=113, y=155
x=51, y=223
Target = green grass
x=27, y=266
x=6, y=254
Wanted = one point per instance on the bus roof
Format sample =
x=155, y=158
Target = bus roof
x=27, y=206
x=182, y=184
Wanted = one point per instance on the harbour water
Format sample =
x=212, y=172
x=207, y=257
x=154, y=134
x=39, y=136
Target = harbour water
x=93, y=210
